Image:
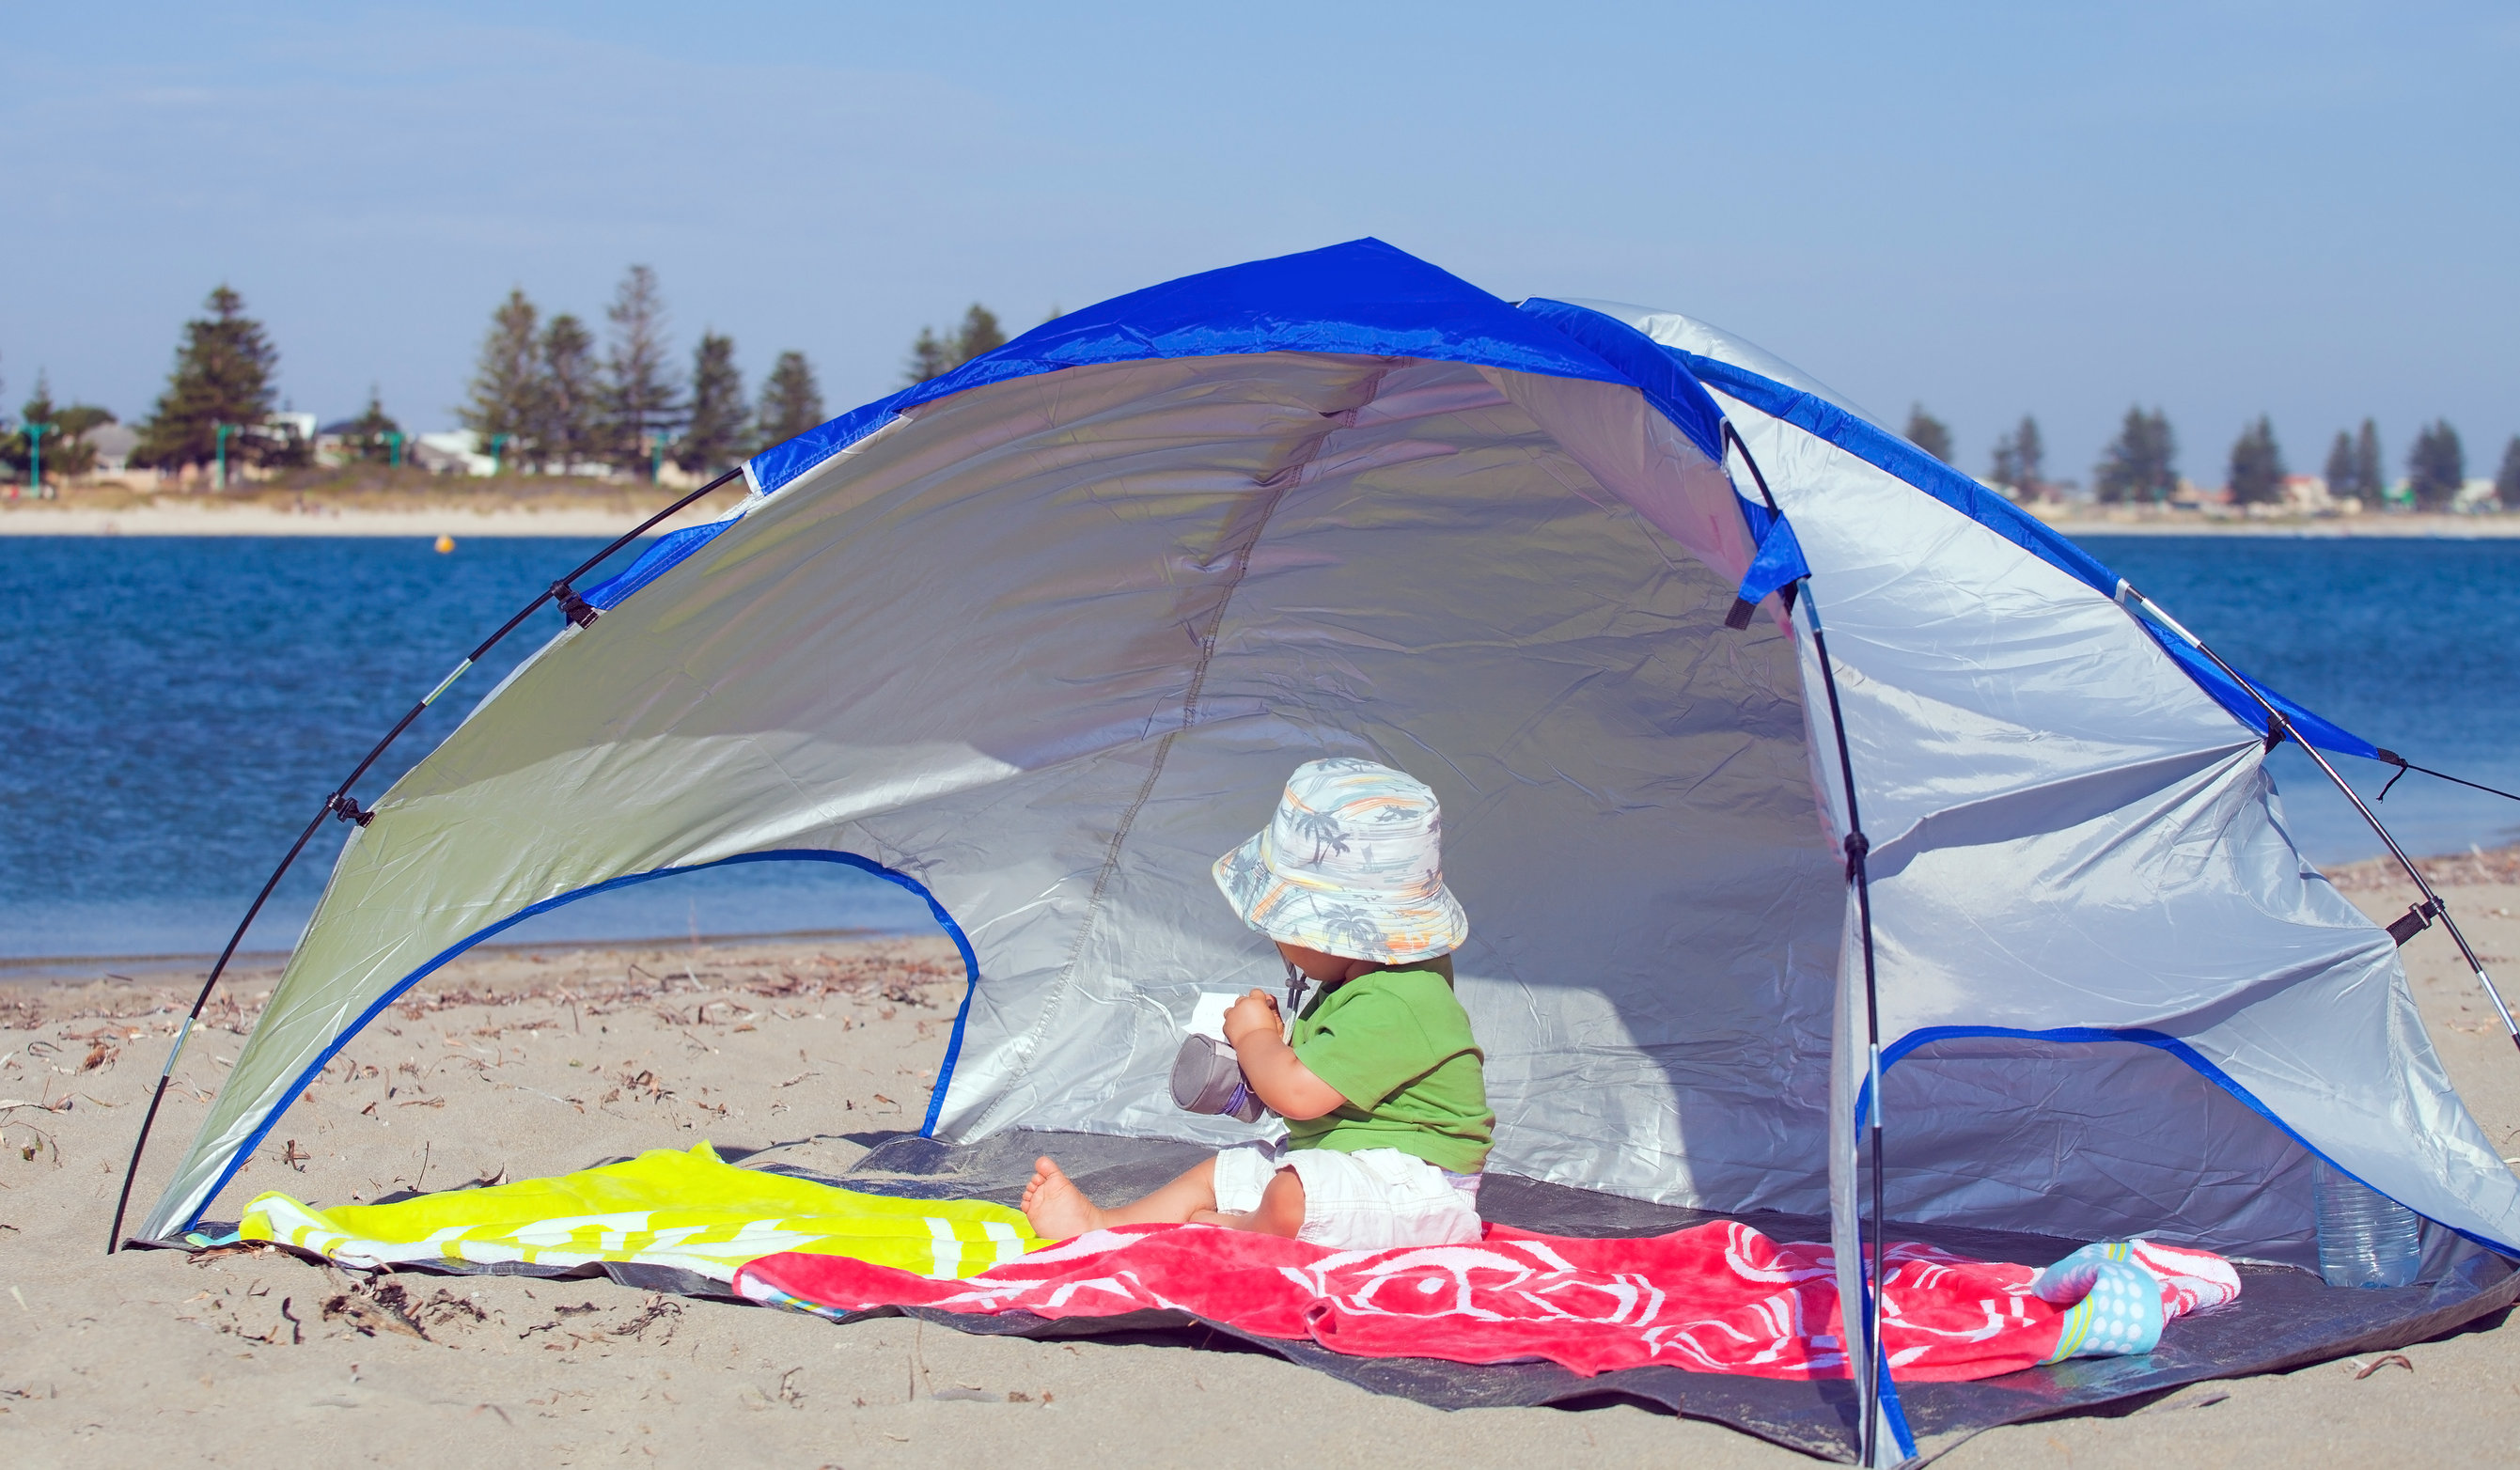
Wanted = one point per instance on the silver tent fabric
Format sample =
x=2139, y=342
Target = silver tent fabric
x=1052, y=646
x=2069, y=834
x=1049, y=646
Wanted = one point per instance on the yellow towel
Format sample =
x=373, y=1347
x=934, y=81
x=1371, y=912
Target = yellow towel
x=694, y=1210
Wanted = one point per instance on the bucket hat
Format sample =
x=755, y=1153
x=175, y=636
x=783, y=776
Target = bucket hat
x=1351, y=865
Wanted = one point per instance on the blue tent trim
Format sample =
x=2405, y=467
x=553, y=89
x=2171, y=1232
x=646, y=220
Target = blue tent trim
x=306, y=1077
x=1367, y=298
x=1779, y=562
x=654, y=563
x=1363, y=299
x=1926, y=1035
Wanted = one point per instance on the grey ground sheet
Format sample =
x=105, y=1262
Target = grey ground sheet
x=2284, y=1318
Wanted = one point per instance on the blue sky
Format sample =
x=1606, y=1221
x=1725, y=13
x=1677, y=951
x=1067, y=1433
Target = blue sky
x=2225, y=208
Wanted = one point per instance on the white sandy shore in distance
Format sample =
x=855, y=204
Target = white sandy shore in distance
x=194, y=516
x=171, y=514
x=149, y=1359
x=2382, y=527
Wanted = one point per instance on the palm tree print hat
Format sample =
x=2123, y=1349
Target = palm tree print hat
x=1351, y=865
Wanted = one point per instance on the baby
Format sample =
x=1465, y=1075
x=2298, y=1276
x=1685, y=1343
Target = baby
x=1387, y=1120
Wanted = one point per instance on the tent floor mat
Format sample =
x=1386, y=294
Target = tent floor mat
x=2284, y=1318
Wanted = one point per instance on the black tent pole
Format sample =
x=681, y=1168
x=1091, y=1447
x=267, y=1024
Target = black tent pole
x=2418, y=917
x=1857, y=849
x=341, y=805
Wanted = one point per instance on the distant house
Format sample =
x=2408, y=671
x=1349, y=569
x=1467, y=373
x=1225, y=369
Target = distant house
x=2306, y=492
x=451, y=452
x=334, y=443
x=113, y=443
x=448, y=452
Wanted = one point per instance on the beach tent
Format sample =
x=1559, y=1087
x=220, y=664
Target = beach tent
x=1040, y=638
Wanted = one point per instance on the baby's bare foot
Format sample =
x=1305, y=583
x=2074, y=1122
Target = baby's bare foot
x=1057, y=1208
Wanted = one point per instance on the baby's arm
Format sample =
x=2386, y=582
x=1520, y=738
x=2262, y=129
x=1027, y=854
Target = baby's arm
x=1275, y=1072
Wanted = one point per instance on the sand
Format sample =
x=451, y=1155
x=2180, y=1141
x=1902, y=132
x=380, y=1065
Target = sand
x=203, y=516
x=526, y=1062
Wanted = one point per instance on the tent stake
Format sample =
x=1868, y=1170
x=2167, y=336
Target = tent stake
x=340, y=804
x=2432, y=906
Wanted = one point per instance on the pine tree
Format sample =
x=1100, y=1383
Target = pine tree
x=1929, y=433
x=2436, y=467
x=791, y=402
x=2257, y=465
x=2506, y=480
x=2020, y=460
x=2142, y=464
x=981, y=333
x=2029, y=452
x=508, y=380
x=366, y=435
x=2341, y=481
x=715, y=437
x=2369, y=482
x=222, y=374
x=930, y=356
x=568, y=408
x=640, y=402
x=934, y=356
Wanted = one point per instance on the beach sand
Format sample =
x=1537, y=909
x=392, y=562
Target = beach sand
x=369, y=502
x=522, y=1063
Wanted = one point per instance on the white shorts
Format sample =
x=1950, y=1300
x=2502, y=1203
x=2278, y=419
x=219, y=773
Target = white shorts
x=1374, y=1199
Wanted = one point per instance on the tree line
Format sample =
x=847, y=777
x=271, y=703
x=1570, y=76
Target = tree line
x=546, y=396
x=2140, y=465
x=546, y=399
x=53, y=432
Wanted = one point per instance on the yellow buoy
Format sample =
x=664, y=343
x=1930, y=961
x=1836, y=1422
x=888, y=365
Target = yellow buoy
x=445, y=544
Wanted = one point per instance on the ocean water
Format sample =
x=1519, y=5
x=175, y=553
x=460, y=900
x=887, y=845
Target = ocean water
x=2412, y=644
x=172, y=710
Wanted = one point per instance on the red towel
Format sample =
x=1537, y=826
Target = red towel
x=1716, y=1298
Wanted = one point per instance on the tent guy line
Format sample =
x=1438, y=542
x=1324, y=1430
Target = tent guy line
x=2405, y=765
x=2419, y=917
x=341, y=805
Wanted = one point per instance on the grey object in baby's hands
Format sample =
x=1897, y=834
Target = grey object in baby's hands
x=1209, y=1079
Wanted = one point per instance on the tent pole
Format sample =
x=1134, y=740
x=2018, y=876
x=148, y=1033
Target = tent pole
x=1858, y=850
x=340, y=804
x=2432, y=907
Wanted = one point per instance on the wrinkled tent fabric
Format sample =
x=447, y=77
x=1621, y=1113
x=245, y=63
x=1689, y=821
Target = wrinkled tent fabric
x=1043, y=636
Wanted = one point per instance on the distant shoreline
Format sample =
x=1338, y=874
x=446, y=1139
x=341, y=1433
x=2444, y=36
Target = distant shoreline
x=2381, y=527
x=424, y=523
x=320, y=514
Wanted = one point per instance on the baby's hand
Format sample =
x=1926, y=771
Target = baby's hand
x=1256, y=1011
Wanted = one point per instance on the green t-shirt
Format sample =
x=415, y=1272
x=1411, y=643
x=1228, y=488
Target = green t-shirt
x=1397, y=1046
